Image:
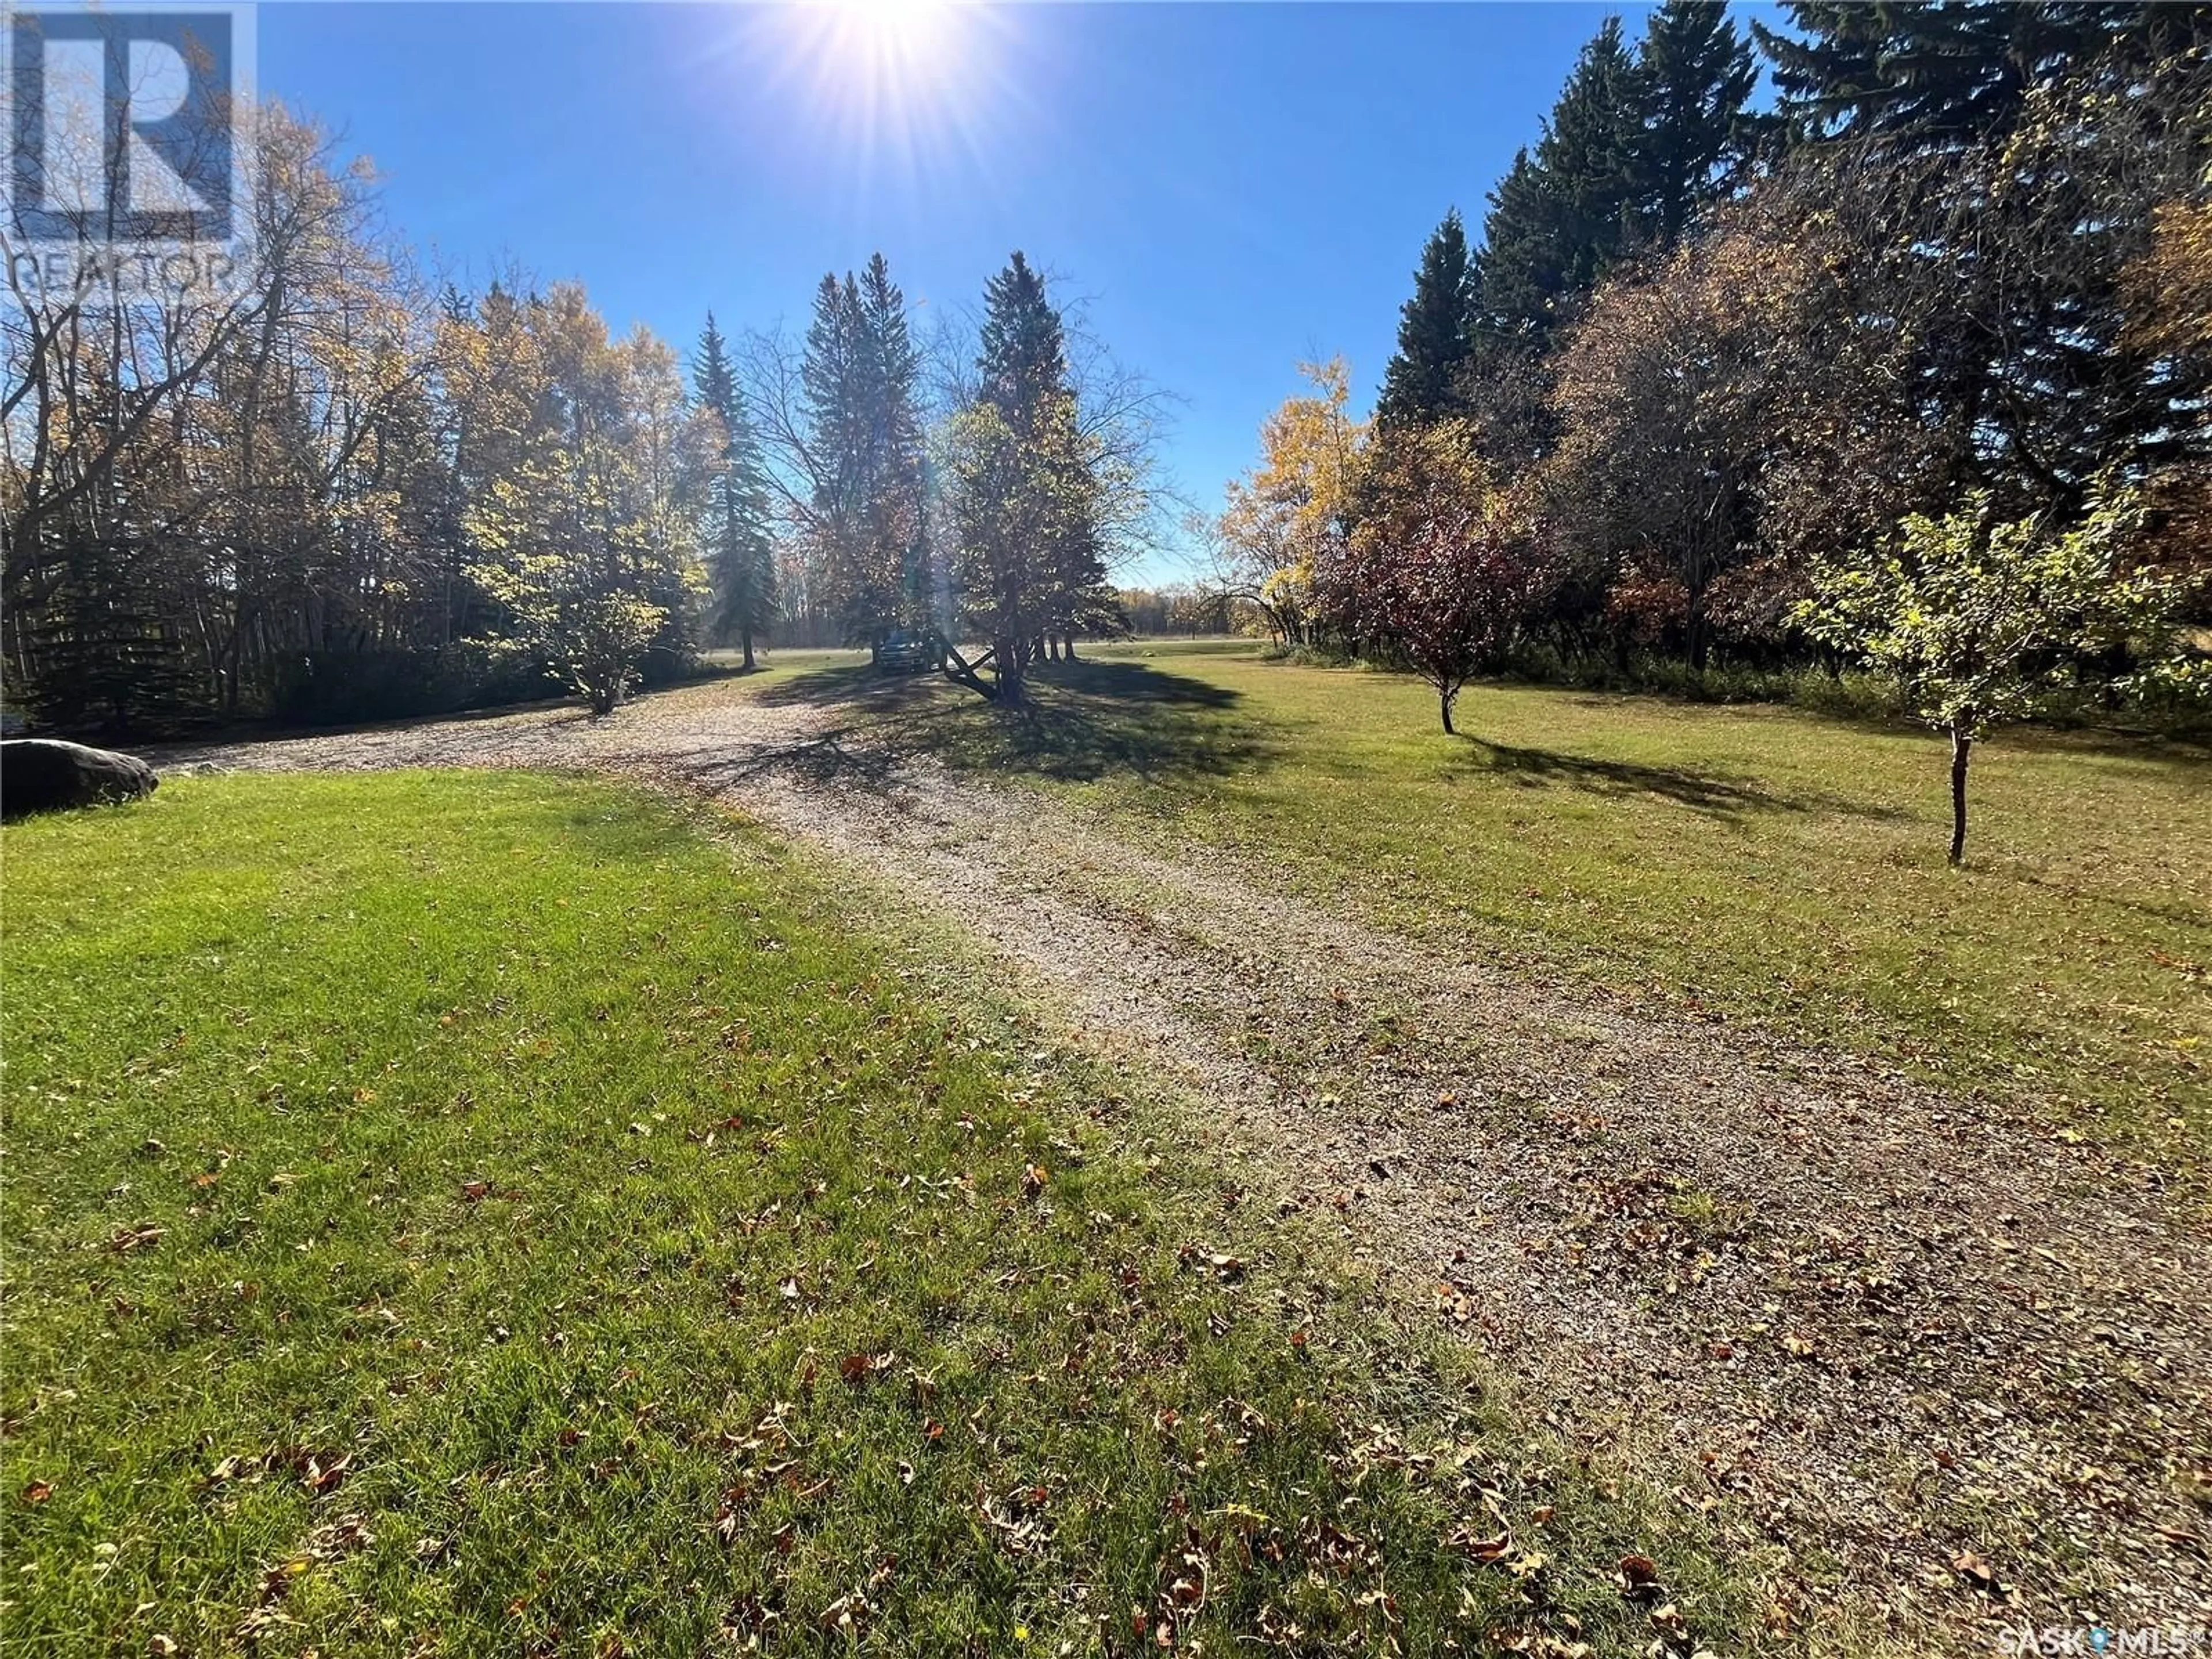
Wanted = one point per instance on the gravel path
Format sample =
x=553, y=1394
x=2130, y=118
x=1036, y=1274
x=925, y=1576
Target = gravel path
x=1916, y=1336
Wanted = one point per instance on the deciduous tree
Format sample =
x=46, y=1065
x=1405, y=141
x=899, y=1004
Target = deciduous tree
x=1284, y=517
x=1975, y=615
x=1444, y=570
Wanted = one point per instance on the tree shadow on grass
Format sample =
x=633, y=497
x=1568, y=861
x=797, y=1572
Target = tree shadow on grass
x=1712, y=794
x=856, y=683
x=1082, y=721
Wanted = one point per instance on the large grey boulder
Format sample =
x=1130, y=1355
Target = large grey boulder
x=46, y=774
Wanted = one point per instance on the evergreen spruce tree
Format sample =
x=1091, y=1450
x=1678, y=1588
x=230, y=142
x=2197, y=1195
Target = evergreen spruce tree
x=1588, y=156
x=1023, y=359
x=1023, y=373
x=1694, y=76
x=1023, y=491
x=740, y=554
x=1517, y=274
x=861, y=394
x=1923, y=78
x=892, y=374
x=1564, y=214
x=1420, y=385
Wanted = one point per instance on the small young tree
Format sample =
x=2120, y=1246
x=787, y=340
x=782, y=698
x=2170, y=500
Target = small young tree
x=1444, y=570
x=1975, y=616
x=595, y=640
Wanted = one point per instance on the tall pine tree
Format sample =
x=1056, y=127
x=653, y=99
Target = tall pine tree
x=1022, y=487
x=1566, y=212
x=741, y=559
x=1421, y=384
x=1920, y=78
x=893, y=377
x=860, y=392
x=1694, y=76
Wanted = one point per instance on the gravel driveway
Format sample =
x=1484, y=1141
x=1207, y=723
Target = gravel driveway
x=1844, y=1314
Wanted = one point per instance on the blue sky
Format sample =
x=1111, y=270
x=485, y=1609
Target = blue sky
x=1230, y=188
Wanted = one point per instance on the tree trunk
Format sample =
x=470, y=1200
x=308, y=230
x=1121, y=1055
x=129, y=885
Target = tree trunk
x=1010, y=659
x=1070, y=644
x=1962, y=744
x=1445, y=699
x=745, y=637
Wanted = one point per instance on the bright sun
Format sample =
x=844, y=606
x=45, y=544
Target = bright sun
x=904, y=31
x=908, y=81
x=894, y=51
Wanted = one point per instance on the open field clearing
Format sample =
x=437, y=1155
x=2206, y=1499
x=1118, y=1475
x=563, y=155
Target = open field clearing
x=1940, y=1349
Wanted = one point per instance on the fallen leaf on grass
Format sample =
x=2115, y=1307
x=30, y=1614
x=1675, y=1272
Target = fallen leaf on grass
x=1479, y=1548
x=858, y=1368
x=1639, y=1578
x=1978, y=1573
x=37, y=1492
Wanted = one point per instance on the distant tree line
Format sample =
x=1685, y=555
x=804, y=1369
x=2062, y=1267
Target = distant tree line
x=1187, y=610
x=345, y=492
x=1906, y=369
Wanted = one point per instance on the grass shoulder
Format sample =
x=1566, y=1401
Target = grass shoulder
x=473, y=1211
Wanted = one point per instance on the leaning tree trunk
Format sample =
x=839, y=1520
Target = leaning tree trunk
x=1444, y=698
x=1962, y=745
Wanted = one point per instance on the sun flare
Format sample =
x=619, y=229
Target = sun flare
x=912, y=83
x=895, y=52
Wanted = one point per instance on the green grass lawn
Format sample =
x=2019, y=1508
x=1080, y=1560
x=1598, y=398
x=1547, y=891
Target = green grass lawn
x=488, y=1214
x=1744, y=860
